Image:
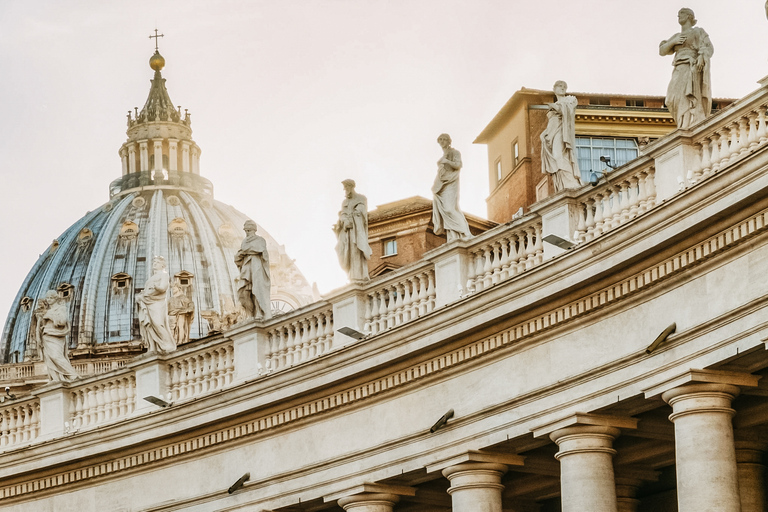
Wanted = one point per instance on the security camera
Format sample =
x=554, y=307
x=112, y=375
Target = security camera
x=7, y=390
x=605, y=159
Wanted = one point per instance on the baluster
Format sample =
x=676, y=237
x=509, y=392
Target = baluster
x=13, y=426
x=496, y=253
x=114, y=401
x=752, y=138
x=328, y=332
x=634, y=196
x=391, y=292
x=304, y=339
x=487, y=267
x=743, y=136
x=538, y=246
x=530, y=252
x=516, y=252
x=5, y=421
x=616, y=207
x=383, y=296
x=725, y=151
x=715, y=157
x=289, y=345
x=414, y=310
x=650, y=187
x=122, y=397
x=175, y=380
x=762, y=130
x=407, y=300
x=229, y=358
x=35, y=420
x=505, y=259
x=399, y=292
x=314, y=350
x=706, y=163
x=598, y=229
x=423, y=299
x=479, y=270
x=625, y=204
x=368, y=313
x=581, y=226
x=430, y=291
x=733, y=145
x=27, y=424
x=77, y=418
x=130, y=390
x=283, y=345
x=589, y=223
x=209, y=368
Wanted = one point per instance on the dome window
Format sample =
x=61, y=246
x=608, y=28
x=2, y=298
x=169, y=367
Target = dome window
x=184, y=280
x=121, y=282
x=26, y=304
x=129, y=230
x=65, y=290
x=139, y=202
x=174, y=201
x=177, y=227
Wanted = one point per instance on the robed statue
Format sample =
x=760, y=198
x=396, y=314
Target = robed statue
x=352, y=234
x=52, y=330
x=182, y=310
x=153, y=310
x=689, y=95
x=446, y=216
x=558, y=141
x=253, y=283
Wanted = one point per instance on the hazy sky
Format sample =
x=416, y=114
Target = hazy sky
x=288, y=98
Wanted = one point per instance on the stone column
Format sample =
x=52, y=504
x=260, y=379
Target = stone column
x=185, y=156
x=144, y=155
x=158, y=153
x=751, y=474
x=195, y=160
x=124, y=159
x=369, y=502
x=132, y=159
x=586, y=467
x=475, y=486
x=707, y=478
x=626, y=494
x=173, y=155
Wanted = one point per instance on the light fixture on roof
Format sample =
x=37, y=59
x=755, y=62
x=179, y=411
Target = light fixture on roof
x=240, y=481
x=442, y=421
x=661, y=338
x=557, y=241
x=348, y=331
x=157, y=401
x=594, y=178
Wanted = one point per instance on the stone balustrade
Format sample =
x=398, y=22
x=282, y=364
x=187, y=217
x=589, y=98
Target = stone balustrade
x=102, y=401
x=720, y=147
x=394, y=303
x=512, y=251
x=299, y=339
x=201, y=372
x=622, y=197
x=98, y=367
x=19, y=422
x=20, y=371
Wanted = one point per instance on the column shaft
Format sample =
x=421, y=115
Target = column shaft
x=476, y=486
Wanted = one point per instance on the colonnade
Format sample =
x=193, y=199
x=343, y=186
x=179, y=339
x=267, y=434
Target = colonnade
x=715, y=471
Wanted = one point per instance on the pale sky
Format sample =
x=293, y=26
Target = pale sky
x=290, y=97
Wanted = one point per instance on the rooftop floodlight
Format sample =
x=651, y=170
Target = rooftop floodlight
x=157, y=401
x=240, y=481
x=661, y=338
x=8, y=393
x=560, y=242
x=442, y=421
x=348, y=331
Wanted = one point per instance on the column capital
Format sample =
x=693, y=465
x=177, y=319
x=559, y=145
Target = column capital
x=477, y=456
x=693, y=376
x=580, y=419
x=369, y=494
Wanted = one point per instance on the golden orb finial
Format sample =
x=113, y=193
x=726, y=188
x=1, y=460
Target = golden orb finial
x=156, y=61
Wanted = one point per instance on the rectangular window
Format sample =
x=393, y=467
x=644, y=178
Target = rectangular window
x=515, y=154
x=635, y=103
x=390, y=247
x=498, y=170
x=590, y=149
x=600, y=101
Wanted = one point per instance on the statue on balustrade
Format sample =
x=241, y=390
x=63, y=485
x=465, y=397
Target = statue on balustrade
x=52, y=330
x=689, y=95
x=446, y=216
x=182, y=310
x=153, y=310
x=558, y=141
x=352, y=234
x=254, y=283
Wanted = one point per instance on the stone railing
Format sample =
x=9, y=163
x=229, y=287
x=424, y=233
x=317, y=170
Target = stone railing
x=102, y=401
x=401, y=300
x=623, y=196
x=722, y=145
x=98, y=367
x=513, y=250
x=299, y=339
x=201, y=372
x=17, y=371
x=19, y=422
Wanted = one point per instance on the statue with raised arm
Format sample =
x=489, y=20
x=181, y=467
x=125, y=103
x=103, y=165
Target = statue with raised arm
x=52, y=330
x=558, y=140
x=352, y=234
x=689, y=95
x=152, y=302
x=446, y=216
x=182, y=310
x=254, y=283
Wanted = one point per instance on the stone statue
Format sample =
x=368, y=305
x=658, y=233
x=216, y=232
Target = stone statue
x=558, y=141
x=52, y=330
x=182, y=309
x=352, y=234
x=253, y=284
x=689, y=95
x=446, y=216
x=153, y=310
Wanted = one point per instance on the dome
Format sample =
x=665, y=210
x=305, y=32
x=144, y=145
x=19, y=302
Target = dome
x=160, y=206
